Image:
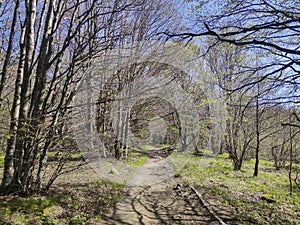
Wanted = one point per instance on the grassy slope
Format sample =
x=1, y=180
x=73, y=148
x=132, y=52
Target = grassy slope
x=78, y=197
x=72, y=204
x=261, y=200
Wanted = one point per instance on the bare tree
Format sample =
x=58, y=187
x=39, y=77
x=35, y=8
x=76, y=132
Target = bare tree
x=225, y=64
x=268, y=27
x=145, y=22
x=56, y=40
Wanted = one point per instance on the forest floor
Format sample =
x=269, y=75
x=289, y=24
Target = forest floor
x=167, y=202
x=81, y=197
x=265, y=199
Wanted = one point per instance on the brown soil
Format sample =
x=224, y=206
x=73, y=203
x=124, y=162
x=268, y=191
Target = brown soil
x=167, y=202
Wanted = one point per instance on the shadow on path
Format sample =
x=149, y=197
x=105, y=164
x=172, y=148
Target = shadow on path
x=169, y=202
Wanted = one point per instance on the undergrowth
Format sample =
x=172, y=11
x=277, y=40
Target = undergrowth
x=259, y=200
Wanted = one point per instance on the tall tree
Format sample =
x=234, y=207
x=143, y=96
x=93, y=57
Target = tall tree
x=51, y=52
x=269, y=27
x=225, y=63
x=54, y=42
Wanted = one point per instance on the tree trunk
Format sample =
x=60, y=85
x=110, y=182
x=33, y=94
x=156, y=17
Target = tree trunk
x=237, y=164
x=255, y=173
x=9, y=166
x=291, y=160
x=9, y=49
x=256, y=164
x=23, y=148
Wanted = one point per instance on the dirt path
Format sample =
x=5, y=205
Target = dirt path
x=163, y=203
x=168, y=202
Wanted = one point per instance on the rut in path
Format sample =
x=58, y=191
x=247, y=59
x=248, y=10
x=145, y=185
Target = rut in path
x=169, y=202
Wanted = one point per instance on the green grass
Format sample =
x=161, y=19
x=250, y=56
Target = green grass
x=136, y=159
x=22, y=210
x=77, y=204
x=2, y=160
x=76, y=156
x=52, y=156
x=140, y=161
x=146, y=147
x=262, y=200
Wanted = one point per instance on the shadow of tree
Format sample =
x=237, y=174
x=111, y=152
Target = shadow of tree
x=164, y=203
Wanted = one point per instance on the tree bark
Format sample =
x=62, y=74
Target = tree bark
x=257, y=120
x=291, y=159
x=9, y=49
x=9, y=166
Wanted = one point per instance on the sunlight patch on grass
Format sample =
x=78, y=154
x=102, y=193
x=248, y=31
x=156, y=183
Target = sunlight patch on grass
x=255, y=198
x=76, y=156
x=22, y=209
x=2, y=160
x=79, y=205
x=136, y=159
x=146, y=147
x=141, y=161
x=54, y=156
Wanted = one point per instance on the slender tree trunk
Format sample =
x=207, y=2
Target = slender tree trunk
x=9, y=162
x=23, y=151
x=43, y=156
x=291, y=159
x=255, y=173
x=256, y=161
x=9, y=49
x=37, y=98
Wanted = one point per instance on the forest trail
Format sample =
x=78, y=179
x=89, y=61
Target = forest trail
x=167, y=202
x=163, y=203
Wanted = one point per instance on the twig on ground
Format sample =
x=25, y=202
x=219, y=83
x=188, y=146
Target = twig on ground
x=208, y=207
